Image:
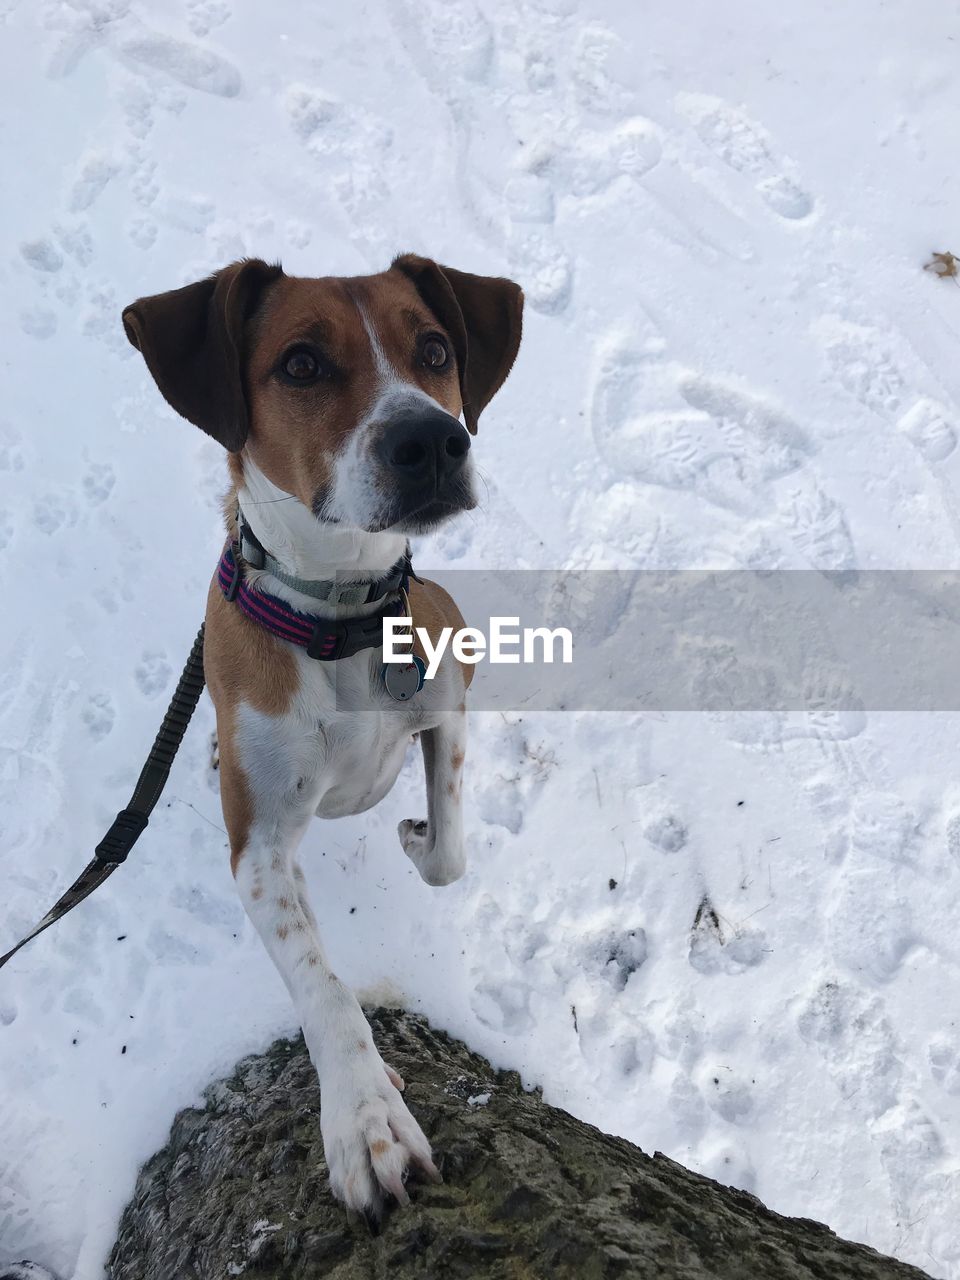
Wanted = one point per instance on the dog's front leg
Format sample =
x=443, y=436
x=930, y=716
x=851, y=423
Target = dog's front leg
x=370, y=1138
x=436, y=846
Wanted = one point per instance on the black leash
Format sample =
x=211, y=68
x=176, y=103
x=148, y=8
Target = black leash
x=131, y=821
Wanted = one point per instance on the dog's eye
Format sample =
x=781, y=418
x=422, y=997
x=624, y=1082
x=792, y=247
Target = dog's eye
x=434, y=353
x=301, y=365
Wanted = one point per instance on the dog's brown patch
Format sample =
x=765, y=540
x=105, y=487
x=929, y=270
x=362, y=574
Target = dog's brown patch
x=242, y=663
x=296, y=432
x=432, y=608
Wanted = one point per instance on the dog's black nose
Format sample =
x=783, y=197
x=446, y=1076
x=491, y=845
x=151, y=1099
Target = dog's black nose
x=424, y=447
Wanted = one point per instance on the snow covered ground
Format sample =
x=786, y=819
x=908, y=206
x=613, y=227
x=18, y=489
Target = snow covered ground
x=732, y=359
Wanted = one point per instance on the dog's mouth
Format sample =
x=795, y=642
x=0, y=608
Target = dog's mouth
x=408, y=515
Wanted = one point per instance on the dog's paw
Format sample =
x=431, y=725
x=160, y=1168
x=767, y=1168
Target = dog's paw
x=370, y=1139
x=436, y=866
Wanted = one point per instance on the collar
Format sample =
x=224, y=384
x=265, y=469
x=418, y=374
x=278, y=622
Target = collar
x=323, y=638
x=326, y=590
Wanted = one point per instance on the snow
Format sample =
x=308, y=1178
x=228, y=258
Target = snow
x=732, y=359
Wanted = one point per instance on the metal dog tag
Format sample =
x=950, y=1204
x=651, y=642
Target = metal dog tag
x=404, y=679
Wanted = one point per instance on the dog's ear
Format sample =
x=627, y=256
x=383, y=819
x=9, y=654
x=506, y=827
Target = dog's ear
x=483, y=316
x=192, y=341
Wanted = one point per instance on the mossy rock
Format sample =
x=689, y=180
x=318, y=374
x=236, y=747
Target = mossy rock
x=529, y=1192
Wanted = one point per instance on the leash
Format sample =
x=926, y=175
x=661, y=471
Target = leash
x=323, y=639
x=130, y=822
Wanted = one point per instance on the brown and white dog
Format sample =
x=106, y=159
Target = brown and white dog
x=338, y=400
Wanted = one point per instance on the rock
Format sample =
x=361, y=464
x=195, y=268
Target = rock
x=241, y=1190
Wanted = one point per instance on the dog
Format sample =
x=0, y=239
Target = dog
x=338, y=401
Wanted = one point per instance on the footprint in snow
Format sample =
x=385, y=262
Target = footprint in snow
x=686, y=1103
x=502, y=1006
x=98, y=483
x=98, y=715
x=569, y=167
x=851, y=1030
x=616, y=955
x=143, y=184
x=726, y=1093
x=885, y=827
x=731, y=1167
x=931, y=428
x=869, y=932
x=818, y=526
x=42, y=255
x=11, y=448
x=353, y=148
x=76, y=240
x=683, y=1034
x=143, y=232
x=188, y=64
x=680, y=430
x=861, y=362
x=38, y=322
x=93, y=174
x=204, y=15
x=153, y=673
x=746, y=147
x=943, y=1055
x=598, y=56
x=168, y=948
x=55, y=511
x=452, y=47
x=910, y=1146
x=610, y=1047
x=720, y=947
x=542, y=267
x=216, y=910
x=666, y=832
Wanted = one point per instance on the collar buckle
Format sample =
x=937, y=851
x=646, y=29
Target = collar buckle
x=328, y=642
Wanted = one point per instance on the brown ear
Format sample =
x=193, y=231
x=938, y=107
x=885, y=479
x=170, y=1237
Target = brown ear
x=483, y=316
x=192, y=341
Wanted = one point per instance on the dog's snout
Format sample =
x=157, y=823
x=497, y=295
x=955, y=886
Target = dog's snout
x=424, y=446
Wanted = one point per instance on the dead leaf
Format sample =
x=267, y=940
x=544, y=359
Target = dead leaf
x=943, y=264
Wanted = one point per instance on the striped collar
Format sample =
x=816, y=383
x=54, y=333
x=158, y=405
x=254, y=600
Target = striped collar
x=324, y=639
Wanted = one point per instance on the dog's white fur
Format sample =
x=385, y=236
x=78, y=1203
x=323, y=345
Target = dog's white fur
x=338, y=752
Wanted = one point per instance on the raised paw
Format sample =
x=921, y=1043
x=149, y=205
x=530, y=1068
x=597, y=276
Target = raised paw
x=437, y=865
x=370, y=1139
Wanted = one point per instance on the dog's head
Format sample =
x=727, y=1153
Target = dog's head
x=345, y=393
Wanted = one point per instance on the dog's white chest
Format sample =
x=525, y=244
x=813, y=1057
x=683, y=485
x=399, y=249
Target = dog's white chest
x=362, y=757
x=341, y=744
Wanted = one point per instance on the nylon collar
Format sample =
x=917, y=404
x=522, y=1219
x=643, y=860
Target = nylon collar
x=327, y=590
x=323, y=639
